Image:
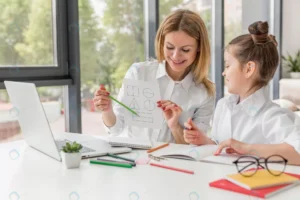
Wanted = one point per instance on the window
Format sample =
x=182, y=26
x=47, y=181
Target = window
x=238, y=15
x=26, y=33
x=202, y=7
x=29, y=46
x=51, y=98
x=232, y=25
x=232, y=20
x=111, y=40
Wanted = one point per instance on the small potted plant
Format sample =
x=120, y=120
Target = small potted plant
x=293, y=63
x=70, y=155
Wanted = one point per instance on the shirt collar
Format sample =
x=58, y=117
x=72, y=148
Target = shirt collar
x=186, y=82
x=161, y=71
x=252, y=104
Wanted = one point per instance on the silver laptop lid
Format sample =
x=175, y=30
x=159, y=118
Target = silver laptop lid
x=31, y=116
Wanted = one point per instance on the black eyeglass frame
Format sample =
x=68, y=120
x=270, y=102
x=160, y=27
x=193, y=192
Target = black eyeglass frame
x=259, y=162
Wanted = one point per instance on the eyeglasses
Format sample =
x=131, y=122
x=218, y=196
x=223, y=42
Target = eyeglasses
x=156, y=157
x=245, y=163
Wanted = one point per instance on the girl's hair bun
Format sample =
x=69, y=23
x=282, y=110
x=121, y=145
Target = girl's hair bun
x=259, y=32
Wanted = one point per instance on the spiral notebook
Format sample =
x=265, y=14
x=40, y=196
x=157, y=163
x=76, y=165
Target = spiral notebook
x=130, y=142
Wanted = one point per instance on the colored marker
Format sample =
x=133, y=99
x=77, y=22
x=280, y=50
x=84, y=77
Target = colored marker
x=129, y=109
x=172, y=168
x=119, y=157
x=157, y=148
x=111, y=163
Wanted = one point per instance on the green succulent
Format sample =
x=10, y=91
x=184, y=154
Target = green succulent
x=72, y=148
x=293, y=63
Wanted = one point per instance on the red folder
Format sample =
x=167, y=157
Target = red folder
x=262, y=193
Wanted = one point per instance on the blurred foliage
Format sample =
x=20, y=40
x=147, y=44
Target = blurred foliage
x=292, y=62
x=36, y=48
x=12, y=27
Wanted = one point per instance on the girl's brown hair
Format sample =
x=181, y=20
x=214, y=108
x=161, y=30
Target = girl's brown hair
x=258, y=47
x=193, y=25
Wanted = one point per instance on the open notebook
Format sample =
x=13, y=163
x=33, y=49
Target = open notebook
x=204, y=153
x=130, y=142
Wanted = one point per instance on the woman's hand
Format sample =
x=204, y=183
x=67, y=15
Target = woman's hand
x=234, y=146
x=102, y=101
x=193, y=135
x=171, y=112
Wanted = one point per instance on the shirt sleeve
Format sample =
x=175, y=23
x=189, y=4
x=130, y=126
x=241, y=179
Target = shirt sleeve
x=202, y=115
x=117, y=128
x=215, y=121
x=281, y=125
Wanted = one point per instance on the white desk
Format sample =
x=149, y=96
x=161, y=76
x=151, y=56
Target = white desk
x=26, y=174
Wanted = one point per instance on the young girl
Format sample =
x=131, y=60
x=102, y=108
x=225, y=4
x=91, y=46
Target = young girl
x=181, y=70
x=248, y=122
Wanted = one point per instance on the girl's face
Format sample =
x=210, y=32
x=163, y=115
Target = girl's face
x=180, y=51
x=233, y=73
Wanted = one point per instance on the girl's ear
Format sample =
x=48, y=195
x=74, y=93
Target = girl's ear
x=249, y=69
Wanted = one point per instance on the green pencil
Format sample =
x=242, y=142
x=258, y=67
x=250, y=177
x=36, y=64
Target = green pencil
x=111, y=163
x=122, y=158
x=132, y=111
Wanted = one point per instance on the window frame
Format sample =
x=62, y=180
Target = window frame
x=46, y=75
x=67, y=71
x=151, y=16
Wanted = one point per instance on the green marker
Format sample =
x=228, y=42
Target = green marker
x=115, y=161
x=122, y=158
x=132, y=111
x=111, y=163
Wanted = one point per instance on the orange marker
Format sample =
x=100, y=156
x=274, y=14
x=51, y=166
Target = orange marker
x=156, y=148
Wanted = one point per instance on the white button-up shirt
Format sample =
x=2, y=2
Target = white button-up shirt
x=255, y=120
x=193, y=99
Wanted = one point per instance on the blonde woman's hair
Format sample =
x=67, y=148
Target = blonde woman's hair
x=192, y=24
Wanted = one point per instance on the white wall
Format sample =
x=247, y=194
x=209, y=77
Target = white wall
x=290, y=29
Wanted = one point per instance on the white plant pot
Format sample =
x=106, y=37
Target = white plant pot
x=71, y=160
x=295, y=75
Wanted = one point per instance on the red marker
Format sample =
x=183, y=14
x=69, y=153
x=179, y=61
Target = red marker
x=172, y=168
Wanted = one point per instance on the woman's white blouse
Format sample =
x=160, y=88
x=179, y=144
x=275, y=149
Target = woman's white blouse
x=193, y=99
x=256, y=120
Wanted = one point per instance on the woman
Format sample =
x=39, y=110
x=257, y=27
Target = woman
x=181, y=70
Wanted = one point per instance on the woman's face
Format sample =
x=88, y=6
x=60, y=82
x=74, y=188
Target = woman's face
x=180, y=51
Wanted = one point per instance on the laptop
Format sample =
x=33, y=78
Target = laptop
x=36, y=129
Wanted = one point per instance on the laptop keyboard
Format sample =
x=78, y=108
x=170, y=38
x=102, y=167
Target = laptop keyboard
x=61, y=143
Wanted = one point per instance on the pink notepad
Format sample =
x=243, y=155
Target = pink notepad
x=142, y=161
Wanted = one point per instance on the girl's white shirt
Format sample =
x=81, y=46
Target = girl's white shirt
x=193, y=99
x=255, y=120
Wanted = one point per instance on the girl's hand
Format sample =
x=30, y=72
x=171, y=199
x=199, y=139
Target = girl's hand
x=171, y=112
x=101, y=100
x=234, y=146
x=192, y=134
